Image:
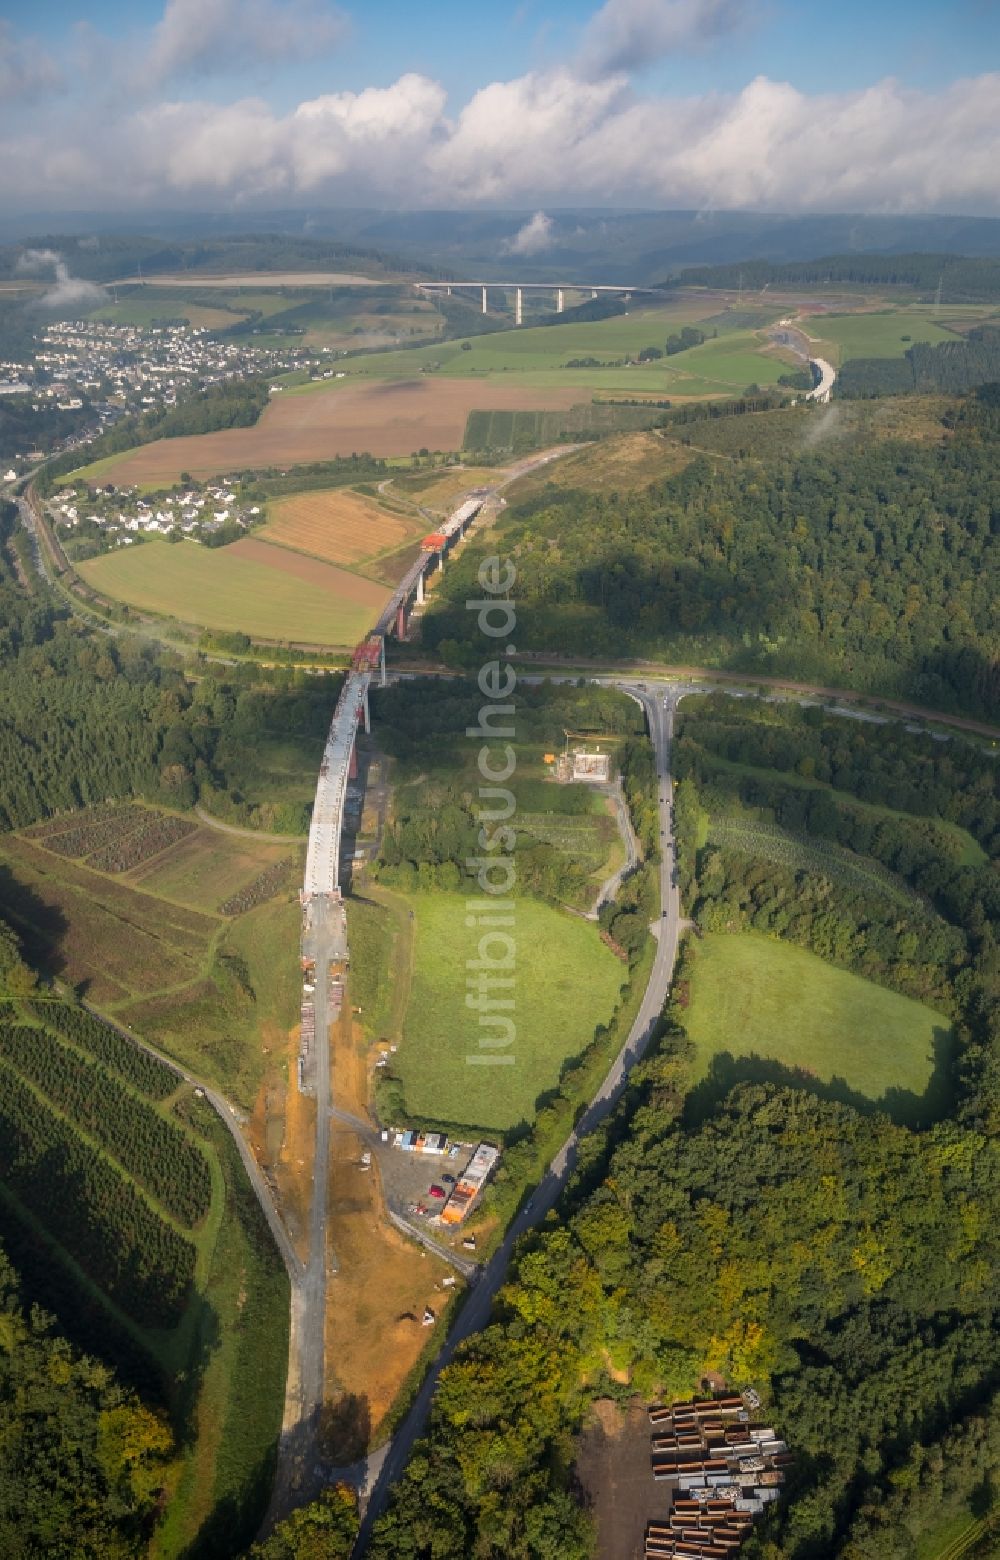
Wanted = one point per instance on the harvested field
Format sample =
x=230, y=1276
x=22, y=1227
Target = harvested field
x=384, y=418
x=335, y=525
x=251, y=587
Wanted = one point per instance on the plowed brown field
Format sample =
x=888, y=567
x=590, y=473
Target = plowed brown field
x=336, y=525
x=386, y=418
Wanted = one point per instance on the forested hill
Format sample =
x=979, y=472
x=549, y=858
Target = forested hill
x=83, y=1463
x=962, y=279
x=859, y=565
x=116, y=256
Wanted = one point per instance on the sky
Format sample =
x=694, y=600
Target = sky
x=776, y=105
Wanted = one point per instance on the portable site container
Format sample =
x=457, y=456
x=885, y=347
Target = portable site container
x=759, y=1433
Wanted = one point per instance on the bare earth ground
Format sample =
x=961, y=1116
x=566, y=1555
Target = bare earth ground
x=376, y=1299
x=282, y=1131
x=613, y=1466
x=384, y=418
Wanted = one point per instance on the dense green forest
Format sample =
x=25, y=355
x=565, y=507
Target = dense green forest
x=950, y=367
x=758, y=1226
x=870, y=566
x=962, y=279
x=83, y=1463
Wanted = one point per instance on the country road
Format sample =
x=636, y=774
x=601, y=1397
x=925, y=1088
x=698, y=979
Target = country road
x=475, y=1313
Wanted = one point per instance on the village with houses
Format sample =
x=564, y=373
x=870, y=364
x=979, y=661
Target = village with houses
x=97, y=373
x=89, y=521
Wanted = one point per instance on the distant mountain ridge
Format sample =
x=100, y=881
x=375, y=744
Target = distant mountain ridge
x=584, y=244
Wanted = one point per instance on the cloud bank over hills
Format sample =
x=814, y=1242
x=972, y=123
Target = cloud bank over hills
x=139, y=123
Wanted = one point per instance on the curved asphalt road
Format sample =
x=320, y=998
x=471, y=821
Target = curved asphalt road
x=475, y=1314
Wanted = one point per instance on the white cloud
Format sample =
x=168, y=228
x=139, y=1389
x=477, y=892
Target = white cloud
x=67, y=292
x=627, y=34
x=535, y=236
x=26, y=70
x=543, y=139
x=213, y=36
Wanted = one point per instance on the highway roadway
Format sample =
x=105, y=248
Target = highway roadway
x=660, y=708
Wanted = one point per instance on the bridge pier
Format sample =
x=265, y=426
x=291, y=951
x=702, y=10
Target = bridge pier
x=560, y=300
x=484, y=300
x=518, y=306
x=352, y=763
x=593, y=292
x=381, y=662
x=420, y=590
x=367, y=714
x=401, y=621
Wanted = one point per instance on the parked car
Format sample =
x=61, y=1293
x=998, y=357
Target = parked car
x=449, y=1180
x=438, y=1191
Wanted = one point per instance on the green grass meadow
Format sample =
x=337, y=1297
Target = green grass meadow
x=567, y=982
x=537, y=357
x=754, y=996
x=888, y=333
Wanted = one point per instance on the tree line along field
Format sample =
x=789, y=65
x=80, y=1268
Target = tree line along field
x=194, y=946
x=123, y=1206
x=271, y=594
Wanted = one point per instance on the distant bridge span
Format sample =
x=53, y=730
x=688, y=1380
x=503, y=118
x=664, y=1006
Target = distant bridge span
x=624, y=290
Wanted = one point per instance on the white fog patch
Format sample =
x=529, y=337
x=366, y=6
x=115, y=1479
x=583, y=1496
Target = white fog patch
x=535, y=236
x=67, y=292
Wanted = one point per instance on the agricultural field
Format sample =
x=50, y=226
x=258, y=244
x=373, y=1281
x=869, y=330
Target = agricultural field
x=754, y=996
x=539, y=358
x=567, y=981
x=382, y=418
x=336, y=525
x=140, y=1239
x=251, y=587
x=523, y=431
